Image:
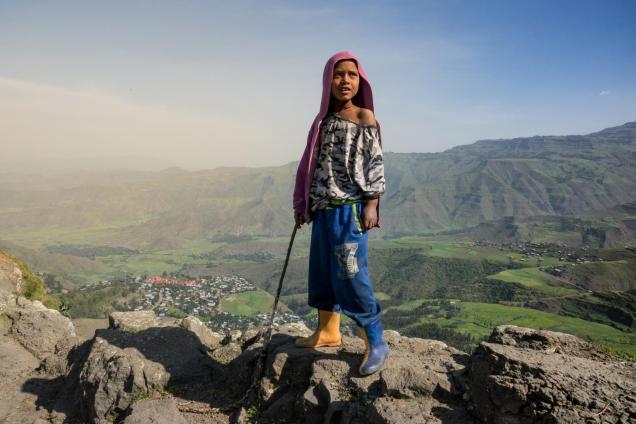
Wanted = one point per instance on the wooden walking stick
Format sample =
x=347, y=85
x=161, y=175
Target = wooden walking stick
x=254, y=392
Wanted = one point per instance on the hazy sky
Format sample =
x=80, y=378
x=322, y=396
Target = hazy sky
x=200, y=84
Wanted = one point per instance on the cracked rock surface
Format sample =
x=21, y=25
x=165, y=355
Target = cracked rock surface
x=421, y=382
x=528, y=376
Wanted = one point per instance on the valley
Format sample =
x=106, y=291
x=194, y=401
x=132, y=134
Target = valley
x=450, y=289
x=537, y=232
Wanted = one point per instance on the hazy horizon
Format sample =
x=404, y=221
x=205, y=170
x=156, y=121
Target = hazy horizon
x=200, y=85
x=48, y=166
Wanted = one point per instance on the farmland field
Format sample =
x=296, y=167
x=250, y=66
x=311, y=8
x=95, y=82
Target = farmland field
x=536, y=279
x=478, y=319
x=248, y=303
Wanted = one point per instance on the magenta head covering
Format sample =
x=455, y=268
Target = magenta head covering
x=364, y=98
x=307, y=166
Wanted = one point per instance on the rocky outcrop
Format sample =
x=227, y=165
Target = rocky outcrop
x=527, y=376
x=10, y=281
x=155, y=411
x=42, y=331
x=421, y=382
x=120, y=368
x=35, y=344
x=207, y=337
x=418, y=383
x=142, y=369
x=126, y=364
x=113, y=375
x=45, y=333
x=519, y=376
x=133, y=321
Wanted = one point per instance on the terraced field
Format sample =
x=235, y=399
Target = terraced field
x=248, y=303
x=536, y=279
x=478, y=319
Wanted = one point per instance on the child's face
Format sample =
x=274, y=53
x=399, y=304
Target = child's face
x=346, y=80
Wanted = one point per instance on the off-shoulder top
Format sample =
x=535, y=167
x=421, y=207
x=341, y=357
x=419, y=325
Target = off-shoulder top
x=349, y=165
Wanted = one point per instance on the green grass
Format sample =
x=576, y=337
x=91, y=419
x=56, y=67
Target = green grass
x=147, y=265
x=535, y=279
x=151, y=262
x=159, y=261
x=58, y=234
x=609, y=275
x=448, y=249
x=544, y=235
x=411, y=304
x=248, y=303
x=478, y=320
x=461, y=250
x=32, y=286
x=99, y=302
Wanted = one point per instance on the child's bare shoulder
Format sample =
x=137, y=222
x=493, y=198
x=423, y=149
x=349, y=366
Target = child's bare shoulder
x=366, y=117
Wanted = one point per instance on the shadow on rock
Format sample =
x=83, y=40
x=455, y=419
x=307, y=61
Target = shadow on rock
x=324, y=386
x=58, y=394
x=117, y=368
x=141, y=370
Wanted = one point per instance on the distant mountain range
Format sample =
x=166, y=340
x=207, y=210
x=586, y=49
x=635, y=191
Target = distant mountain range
x=426, y=193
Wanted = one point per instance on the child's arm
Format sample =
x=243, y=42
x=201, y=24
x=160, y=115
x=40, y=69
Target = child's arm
x=374, y=170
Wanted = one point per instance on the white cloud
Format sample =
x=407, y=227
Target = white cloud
x=604, y=93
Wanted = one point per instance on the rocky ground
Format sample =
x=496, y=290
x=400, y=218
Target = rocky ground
x=142, y=370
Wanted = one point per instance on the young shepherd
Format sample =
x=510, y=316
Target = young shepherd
x=339, y=182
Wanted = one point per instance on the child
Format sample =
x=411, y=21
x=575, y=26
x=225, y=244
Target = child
x=339, y=182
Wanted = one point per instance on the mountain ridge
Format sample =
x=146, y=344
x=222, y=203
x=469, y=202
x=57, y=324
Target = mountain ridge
x=426, y=192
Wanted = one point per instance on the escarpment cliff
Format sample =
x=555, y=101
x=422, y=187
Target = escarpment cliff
x=145, y=370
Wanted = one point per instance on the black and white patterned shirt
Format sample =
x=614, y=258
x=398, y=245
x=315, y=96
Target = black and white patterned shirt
x=349, y=164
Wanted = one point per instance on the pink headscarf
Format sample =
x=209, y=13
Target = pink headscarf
x=307, y=165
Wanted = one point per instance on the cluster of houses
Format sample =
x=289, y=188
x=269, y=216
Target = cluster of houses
x=539, y=250
x=177, y=296
x=97, y=285
x=157, y=279
x=201, y=297
x=170, y=296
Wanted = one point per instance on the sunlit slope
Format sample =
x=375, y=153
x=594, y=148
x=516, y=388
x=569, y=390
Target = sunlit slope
x=144, y=210
x=478, y=319
x=456, y=189
x=521, y=177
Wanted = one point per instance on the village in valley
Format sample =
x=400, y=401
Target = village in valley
x=177, y=297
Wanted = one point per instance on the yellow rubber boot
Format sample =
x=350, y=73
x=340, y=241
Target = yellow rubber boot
x=327, y=334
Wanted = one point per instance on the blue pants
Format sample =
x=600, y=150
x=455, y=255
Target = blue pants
x=338, y=273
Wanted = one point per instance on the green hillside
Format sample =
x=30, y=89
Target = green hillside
x=536, y=279
x=476, y=320
x=428, y=193
x=248, y=303
x=537, y=231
